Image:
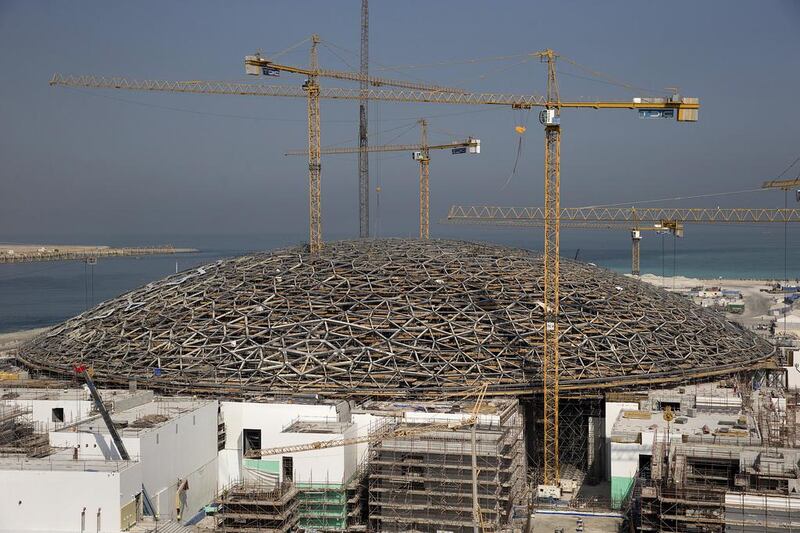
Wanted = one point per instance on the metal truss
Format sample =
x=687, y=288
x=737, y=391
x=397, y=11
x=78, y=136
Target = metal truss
x=392, y=318
x=533, y=216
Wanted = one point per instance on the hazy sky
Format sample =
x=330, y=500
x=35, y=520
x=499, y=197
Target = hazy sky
x=77, y=162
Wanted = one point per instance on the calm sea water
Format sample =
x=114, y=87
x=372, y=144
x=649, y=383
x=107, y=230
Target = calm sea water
x=41, y=294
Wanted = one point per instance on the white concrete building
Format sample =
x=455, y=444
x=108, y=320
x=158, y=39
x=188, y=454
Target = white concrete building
x=250, y=425
x=704, y=414
x=55, y=408
x=172, y=444
x=59, y=494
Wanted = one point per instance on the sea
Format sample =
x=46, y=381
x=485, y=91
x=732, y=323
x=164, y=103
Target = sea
x=34, y=295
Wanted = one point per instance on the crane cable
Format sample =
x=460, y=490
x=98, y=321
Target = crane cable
x=674, y=198
x=287, y=50
x=457, y=62
x=786, y=232
x=521, y=127
x=343, y=49
x=796, y=160
x=606, y=78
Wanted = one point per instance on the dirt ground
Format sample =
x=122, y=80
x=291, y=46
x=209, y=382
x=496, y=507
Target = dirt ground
x=756, y=302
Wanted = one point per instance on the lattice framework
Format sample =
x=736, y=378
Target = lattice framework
x=392, y=318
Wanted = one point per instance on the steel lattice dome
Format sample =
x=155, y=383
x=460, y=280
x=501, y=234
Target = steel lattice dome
x=392, y=317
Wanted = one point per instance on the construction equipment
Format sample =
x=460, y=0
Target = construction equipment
x=83, y=372
x=664, y=226
x=667, y=219
x=674, y=227
x=421, y=153
x=363, y=142
x=784, y=185
x=532, y=216
x=672, y=107
x=257, y=65
x=411, y=93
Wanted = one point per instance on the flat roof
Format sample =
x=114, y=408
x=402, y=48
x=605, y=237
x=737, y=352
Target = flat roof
x=455, y=406
x=316, y=425
x=142, y=417
x=62, y=461
x=692, y=425
x=63, y=394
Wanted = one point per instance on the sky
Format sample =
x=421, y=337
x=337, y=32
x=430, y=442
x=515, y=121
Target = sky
x=79, y=164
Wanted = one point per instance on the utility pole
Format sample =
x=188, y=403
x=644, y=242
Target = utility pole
x=363, y=155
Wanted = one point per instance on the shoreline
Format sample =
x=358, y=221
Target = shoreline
x=32, y=253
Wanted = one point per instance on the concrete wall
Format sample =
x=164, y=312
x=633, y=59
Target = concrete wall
x=613, y=409
x=793, y=372
x=42, y=410
x=44, y=500
x=625, y=463
x=623, y=460
x=363, y=423
x=78, y=406
x=332, y=465
x=185, y=447
x=94, y=445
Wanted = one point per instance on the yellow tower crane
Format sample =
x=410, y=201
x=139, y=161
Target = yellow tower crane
x=420, y=152
x=256, y=65
x=674, y=107
x=664, y=226
x=784, y=185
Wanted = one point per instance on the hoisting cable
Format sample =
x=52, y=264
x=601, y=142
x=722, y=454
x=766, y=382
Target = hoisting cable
x=521, y=127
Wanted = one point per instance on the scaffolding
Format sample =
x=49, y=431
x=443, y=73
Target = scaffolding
x=20, y=436
x=427, y=483
x=322, y=507
x=726, y=481
x=579, y=442
x=257, y=507
x=331, y=507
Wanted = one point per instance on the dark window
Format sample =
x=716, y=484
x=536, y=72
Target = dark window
x=288, y=468
x=58, y=414
x=675, y=406
x=251, y=439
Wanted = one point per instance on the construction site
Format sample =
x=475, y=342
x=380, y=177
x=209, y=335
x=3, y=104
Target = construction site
x=407, y=384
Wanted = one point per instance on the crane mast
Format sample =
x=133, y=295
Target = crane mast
x=424, y=183
x=363, y=142
x=314, y=157
x=421, y=153
x=550, y=118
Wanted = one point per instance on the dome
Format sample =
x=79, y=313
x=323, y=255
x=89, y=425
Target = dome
x=392, y=318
